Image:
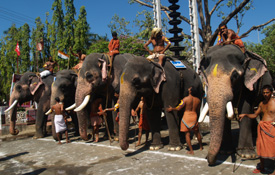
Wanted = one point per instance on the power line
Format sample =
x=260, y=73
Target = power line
x=14, y=20
x=16, y=13
x=16, y=17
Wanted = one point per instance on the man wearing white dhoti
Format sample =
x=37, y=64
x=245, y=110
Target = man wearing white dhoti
x=59, y=121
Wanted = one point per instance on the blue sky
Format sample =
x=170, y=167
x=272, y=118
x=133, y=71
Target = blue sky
x=100, y=12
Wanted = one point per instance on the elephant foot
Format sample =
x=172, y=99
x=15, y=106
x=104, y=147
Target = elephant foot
x=156, y=147
x=14, y=132
x=37, y=136
x=246, y=152
x=174, y=148
x=211, y=159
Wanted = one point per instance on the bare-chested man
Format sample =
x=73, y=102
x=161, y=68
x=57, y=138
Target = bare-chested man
x=49, y=67
x=265, y=143
x=143, y=121
x=228, y=36
x=81, y=58
x=96, y=111
x=59, y=120
x=158, y=40
x=189, y=120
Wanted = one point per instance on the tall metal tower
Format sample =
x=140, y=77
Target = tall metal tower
x=194, y=33
x=157, y=13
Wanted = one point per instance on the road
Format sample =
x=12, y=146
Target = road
x=43, y=156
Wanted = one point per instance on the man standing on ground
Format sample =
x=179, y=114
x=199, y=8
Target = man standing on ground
x=60, y=120
x=189, y=120
x=265, y=143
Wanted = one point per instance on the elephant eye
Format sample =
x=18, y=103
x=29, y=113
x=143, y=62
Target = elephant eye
x=137, y=83
x=19, y=88
x=234, y=76
x=89, y=76
x=62, y=87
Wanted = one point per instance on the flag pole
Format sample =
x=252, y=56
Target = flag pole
x=17, y=65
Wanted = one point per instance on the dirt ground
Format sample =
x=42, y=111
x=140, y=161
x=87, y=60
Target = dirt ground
x=23, y=155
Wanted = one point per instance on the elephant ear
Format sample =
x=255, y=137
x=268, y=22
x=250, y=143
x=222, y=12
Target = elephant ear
x=103, y=66
x=74, y=78
x=34, y=83
x=255, y=69
x=158, y=76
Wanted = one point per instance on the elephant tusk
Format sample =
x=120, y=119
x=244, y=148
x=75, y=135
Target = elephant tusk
x=11, y=106
x=229, y=108
x=70, y=107
x=49, y=111
x=83, y=104
x=203, y=112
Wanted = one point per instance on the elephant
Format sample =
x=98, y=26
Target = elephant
x=235, y=78
x=93, y=82
x=142, y=78
x=64, y=87
x=31, y=87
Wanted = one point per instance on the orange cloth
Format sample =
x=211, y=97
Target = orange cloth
x=189, y=121
x=117, y=117
x=113, y=47
x=238, y=41
x=266, y=140
x=143, y=123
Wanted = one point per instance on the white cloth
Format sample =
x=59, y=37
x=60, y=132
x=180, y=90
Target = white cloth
x=45, y=73
x=154, y=55
x=60, y=124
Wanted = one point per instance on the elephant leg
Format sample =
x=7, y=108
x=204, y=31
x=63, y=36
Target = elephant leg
x=39, y=122
x=45, y=120
x=75, y=122
x=154, y=117
x=174, y=138
x=53, y=128
x=227, y=147
x=245, y=146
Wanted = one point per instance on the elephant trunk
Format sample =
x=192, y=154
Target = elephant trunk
x=126, y=98
x=82, y=91
x=13, y=112
x=52, y=102
x=219, y=93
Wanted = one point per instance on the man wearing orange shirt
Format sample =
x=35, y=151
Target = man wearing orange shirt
x=113, y=47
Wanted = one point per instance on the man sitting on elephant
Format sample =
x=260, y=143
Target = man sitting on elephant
x=228, y=36
x=49, y=67
x=158, y=40
x=81, y=58
x=113, y=47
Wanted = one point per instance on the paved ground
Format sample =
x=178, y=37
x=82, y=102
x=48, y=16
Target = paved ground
x=24, y=155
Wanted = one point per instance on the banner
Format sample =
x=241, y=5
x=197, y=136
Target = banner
x=62, y=55
x=17, y=49
x=40, y=45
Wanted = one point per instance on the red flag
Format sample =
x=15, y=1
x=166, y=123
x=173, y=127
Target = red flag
x=17, y=49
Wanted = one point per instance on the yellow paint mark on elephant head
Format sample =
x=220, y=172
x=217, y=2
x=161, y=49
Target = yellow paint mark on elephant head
x=215, y=70
x=121, y=78
x=254, y=69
